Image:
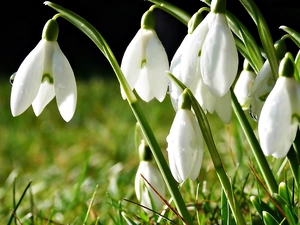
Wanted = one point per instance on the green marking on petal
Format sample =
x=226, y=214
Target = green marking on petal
x=47, y=77
x=199, y=53
x=143, y=63
x=263, y=97
x=295, y=116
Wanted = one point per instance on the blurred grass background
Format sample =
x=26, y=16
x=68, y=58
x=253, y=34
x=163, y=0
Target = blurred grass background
x=66, y=161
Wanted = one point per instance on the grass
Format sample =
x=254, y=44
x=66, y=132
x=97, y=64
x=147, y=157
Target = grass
x=93, y=157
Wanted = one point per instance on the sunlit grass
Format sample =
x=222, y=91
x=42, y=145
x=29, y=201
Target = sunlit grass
x=66, y=161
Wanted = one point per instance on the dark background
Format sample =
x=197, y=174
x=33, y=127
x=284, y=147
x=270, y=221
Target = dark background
x=117, y=20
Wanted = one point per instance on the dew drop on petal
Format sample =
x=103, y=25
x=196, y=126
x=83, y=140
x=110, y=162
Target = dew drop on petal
x=12, y=78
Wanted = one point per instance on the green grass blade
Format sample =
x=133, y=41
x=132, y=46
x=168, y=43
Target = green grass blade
x=18, y=204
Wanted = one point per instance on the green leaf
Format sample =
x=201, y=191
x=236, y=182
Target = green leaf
x=264, y=34
x=294, y=35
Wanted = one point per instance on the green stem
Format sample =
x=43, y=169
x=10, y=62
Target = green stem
x=207, y=135
x=292, y=157
x=255, y=147
x=100, y=42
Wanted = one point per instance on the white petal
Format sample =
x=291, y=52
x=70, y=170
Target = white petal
x=219, y=57
x=275, y=128
x=133, y=56
x=191, y=55
x=263, y=84
x=143, y=87
x=27, y=80
x=223, y=107
x=176, y=71
x=153, y=81
x=64, y=85
x=206, y=100
x=158, y=64
x=44, y=96
x=197, y=162
x=151, y=173
x=243, y=87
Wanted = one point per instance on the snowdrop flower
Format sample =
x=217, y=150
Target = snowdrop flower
x=180, y=70
x=185, y=143
x=264, y=83
x=145, y=194
x=278, y=122
x=145, y=61
x=244, y=84
x=43, y=74
x=212, y=44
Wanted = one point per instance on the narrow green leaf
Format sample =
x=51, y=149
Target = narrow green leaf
x=18, y=204
x=90, y=205
x=294, y=35
x=264, y=34
x=269, y=219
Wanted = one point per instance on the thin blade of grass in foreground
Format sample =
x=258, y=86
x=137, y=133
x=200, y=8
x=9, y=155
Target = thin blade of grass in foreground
x=90, y=206
x=13, y=215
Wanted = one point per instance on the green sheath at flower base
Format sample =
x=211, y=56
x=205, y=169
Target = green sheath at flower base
x=50, y=31
x=194, y=21
x=184, y=101
x=287, y=66
x=148, y=20
x=218, y=6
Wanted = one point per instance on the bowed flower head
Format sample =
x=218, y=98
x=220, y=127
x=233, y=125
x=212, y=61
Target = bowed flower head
x=145, y=194
x=219, y=57
x=185, y=144
x=145, y=62
x=244, y=84
x=278, y=122
x=43, y=74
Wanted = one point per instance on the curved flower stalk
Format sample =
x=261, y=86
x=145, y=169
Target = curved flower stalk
x=43, y=74
x=278, y=122
x=144, y=193
x=145, y=61
x=244, y=84
x=185, y=143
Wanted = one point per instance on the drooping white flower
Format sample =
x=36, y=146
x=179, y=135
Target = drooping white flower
x=44, y=74
x=185, y=146
x=212, y=44
x=219, y=57
x=278, y=122
x=144, y=65
x=145, y=194
x=185, y=66
x=243, y=86
x=262, y=86
x=264, y=82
